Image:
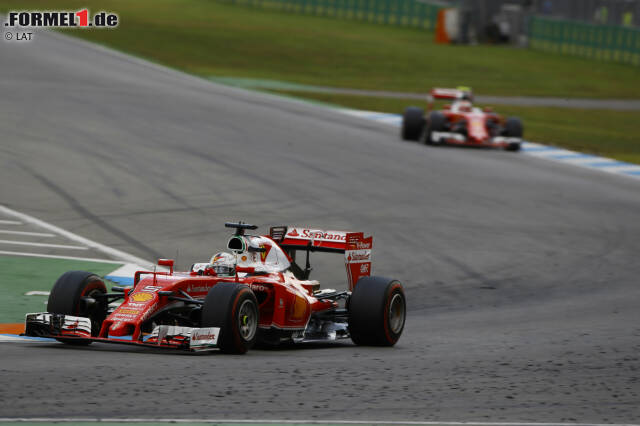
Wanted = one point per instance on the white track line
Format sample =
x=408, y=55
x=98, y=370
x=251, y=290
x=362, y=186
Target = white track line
x=27, y=243
x=30, y=234
x=117, y=254
x=308, y=422
x=54, y=256
x=37, y=293
x=10, y=222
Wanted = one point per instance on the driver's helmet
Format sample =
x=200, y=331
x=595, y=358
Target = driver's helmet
x=464, y=106
x=224, y=264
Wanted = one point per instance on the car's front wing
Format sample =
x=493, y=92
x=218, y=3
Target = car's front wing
x=460, y=139
x=68, y=327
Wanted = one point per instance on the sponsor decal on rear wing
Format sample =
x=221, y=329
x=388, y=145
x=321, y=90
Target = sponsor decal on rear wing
x=357, y=257
x=316, y=239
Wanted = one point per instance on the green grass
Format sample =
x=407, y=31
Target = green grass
x=23, y=274
x=209, y=38
x=614, y=134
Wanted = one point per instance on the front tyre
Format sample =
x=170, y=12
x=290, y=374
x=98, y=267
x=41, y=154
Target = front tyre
x=437, y=122
x=377, y=311
x=412, y=123
x=513, y=127
x=78, y=293
x=234, y=309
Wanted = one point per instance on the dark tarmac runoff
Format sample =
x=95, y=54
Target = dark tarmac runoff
x=522, y=276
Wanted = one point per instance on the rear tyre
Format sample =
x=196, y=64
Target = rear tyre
x=74, y=294
x=513, y=128
x=412, y=123
x=234, y=309
x=377, y=311
x=437, y=123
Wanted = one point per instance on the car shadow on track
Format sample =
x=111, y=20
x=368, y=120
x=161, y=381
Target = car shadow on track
x=124, y=348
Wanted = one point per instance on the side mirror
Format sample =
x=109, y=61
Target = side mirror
x=166, y=262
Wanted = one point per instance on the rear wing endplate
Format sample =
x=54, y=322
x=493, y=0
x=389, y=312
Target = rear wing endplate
x=354, y=245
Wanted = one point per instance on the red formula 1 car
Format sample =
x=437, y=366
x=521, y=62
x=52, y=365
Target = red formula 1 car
x=461, y=123
x=255, y=291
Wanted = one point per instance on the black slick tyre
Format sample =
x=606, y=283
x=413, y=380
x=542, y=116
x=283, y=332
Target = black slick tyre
x=412, y=123
x=234, y=309
x=74, y=294
x=436, y=122
x=513, y=146
x=513, y=128
x=377, y=311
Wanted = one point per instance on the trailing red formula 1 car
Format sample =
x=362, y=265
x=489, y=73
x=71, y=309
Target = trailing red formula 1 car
x=461, y=123
x=255, y=291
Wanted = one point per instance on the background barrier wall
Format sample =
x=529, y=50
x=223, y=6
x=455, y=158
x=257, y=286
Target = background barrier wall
x=601, y=42
x=410, y=13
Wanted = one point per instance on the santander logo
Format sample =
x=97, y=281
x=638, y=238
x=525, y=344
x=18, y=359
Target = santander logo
x=203, y=336
x=317, y=235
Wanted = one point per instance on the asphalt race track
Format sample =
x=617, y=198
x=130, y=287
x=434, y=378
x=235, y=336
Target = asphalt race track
x=522, y=276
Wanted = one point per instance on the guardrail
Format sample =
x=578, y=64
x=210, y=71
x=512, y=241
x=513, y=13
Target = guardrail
x=409, y=13
x=601, y=42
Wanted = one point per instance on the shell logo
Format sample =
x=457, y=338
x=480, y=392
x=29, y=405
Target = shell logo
x=142, y=297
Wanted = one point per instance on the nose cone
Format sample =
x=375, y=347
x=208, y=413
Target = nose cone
x=120, y=329
x=477, y=130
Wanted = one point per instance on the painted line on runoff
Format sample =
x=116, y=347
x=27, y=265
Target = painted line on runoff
x=28, y=243
x=10, y=222
x=27, y=234
x=546, y=152
x=117, y=254
x=55, y=256
x=123, y=275
x=306, y=422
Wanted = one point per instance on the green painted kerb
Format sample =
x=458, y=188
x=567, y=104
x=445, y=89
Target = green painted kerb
x=18, y=275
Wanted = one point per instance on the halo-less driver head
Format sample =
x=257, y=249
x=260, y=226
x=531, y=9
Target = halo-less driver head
x=224, y=264
x=465, y=106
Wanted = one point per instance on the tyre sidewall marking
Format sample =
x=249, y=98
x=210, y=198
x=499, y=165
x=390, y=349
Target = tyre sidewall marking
x=237, y=337
x=391, y=337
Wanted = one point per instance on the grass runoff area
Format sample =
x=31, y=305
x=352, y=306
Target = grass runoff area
x=211, y=38
x=21, y=275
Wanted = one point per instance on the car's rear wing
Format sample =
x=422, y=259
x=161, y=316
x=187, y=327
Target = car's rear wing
x=355, y=246
x=451, y=94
